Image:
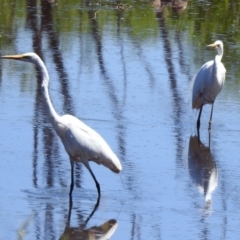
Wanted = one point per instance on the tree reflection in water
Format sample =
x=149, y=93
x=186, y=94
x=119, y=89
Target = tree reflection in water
x=176, y=5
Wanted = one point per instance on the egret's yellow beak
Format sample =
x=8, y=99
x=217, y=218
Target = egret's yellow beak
x=213, y=45
x=15, y=57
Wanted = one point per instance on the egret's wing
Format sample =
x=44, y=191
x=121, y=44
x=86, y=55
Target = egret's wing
x=200, y=83
x=82, y=141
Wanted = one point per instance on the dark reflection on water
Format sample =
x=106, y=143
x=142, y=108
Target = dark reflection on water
x=120, y=15
x=182, y=57
x=104, y=231
x=45, y=207
x=50, y=144
x=111, y=92
x=202, y=168
x=122, y=103
x=41, y=124
x=53, y=39
x=176, y=5
x=174, y=89
x=147, y=66
x=31, y=23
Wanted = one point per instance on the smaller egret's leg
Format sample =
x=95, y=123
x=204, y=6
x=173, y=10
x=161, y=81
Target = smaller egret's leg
x=199, y=116
x=72, y=177
x=86, y=164
x=69, y=209
x=198, y=134
x=210, y=120
x=209, y=139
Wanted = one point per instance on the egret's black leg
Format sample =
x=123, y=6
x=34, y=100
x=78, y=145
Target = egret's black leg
x=96, y=182
x=210, y=120
x=209, y=139
x=93, y=176
x=198, y=120
x=198, y=134
x=72, y=178
x=69, y=209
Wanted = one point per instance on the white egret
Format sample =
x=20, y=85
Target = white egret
x=81, y=142
x=208, y=82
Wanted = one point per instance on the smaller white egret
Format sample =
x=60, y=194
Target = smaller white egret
x=81, y=142
x=208, y=82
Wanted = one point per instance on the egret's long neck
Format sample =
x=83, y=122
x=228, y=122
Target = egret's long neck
x=219, y=56
x=53, y=116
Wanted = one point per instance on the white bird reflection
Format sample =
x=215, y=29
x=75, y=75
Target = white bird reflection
x=101, y=232
x=202, y=168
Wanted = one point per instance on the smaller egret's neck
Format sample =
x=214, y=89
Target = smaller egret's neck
x=219, y=56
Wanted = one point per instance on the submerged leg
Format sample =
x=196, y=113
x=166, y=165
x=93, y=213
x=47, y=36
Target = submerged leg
x=210, y=120
x=72, y=177
x=85, y=162
x=199, y=116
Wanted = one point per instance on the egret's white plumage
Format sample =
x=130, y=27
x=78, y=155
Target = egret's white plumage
x=81, y=142
x=208, y=81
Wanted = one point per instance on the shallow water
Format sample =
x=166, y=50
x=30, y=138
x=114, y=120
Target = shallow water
x=126, y=73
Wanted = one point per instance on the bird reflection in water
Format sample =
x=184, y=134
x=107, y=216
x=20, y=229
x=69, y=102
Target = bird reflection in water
x=104, y=231
x=177, y=5
x=202, y=168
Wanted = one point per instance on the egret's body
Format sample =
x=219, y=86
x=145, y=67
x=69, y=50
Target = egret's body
x=208, y=82
x=81, y=142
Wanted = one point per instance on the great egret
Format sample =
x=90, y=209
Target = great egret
x=81, y=142
x=208, y=82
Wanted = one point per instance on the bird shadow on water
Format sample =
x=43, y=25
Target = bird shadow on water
x=203, y=170
x=103, y=231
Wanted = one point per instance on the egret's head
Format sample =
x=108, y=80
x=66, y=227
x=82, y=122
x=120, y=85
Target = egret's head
x=32, y=58
x=218, y=45
x=26, y=57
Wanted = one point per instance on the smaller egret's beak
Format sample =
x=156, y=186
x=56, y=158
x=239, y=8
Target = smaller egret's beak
x=15, y=57
x=213, y=45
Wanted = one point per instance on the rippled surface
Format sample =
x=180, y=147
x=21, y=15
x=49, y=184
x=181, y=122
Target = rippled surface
x=124, y=70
